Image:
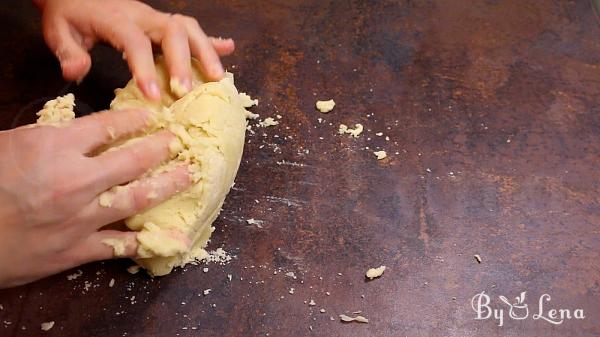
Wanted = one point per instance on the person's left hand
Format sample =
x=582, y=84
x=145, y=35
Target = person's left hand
x=72, y=27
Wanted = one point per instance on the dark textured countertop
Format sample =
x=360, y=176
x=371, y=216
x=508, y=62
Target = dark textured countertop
x=494, y=142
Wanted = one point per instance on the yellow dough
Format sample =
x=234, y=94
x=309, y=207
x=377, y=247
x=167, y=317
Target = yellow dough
x=210, y=124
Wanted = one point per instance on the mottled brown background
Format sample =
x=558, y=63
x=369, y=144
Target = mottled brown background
x=498, y=99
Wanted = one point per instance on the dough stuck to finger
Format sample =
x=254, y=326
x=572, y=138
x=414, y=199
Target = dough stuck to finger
x=118, y=246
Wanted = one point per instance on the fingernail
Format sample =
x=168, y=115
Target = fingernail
x=188, y=83
x=153, y=90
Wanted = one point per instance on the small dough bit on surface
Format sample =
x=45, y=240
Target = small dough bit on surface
x=358, y=318
x=358, y=129
x=375, y=272
x=380, y=154
x=325, y=106
x=46, y=326
x=210, y=124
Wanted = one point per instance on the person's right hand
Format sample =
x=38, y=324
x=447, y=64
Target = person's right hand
x=50, y=215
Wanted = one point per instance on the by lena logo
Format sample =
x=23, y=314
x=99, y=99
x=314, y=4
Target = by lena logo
x=519, y=310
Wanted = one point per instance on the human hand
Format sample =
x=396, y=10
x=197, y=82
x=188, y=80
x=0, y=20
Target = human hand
x=72, y=27
x=50, y=215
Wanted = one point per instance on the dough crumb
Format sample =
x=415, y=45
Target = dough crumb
x=47, y=325
x=75, y=275
x=251, y=115
x=375, y=272
x=323, y=311
x=118, y=245
x=206, y=291
x=133, y=269
x=325, y=106
x=258, y=223
x=269, y=121
x=291, y=291
x=57, y=111
x=477, y=258
x=358, y=129
x=359, y=319
x=219, y=256
x=380, y=154
x=111, y=283
x=312, y=303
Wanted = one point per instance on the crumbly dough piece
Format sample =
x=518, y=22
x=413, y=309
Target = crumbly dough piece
x=117, y=245
x=375, y=272
x=210, y=124
x=358, y=318
x=57, y=111
x=269, y=121
x=380, y=154
x=325, y=106
x=358, y=129
x=46, y=326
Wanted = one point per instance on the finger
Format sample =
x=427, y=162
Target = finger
x=129, y=161
x=223, y=47
x=105, y=244
x=74, y=59
x=202, y=48
x=105, y=127
x=125, y=201
x=175, y=46
x=126, y=36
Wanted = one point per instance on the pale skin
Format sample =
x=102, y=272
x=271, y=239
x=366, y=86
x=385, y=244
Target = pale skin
x=50, y=216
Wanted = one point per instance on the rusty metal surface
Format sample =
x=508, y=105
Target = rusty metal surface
x=494, y=127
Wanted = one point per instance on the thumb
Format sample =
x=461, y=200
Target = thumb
x=66, y=44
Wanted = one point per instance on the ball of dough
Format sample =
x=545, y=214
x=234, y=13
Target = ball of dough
x=210, y=125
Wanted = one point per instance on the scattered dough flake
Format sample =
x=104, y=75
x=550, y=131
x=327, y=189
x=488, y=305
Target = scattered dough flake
x=47, y=325
x=312, y=303
x=325, y=106
x=269, y=121
x=477, y=258
x=258, y=223
x=358, y=129
x=375, y=272
x=75, y=275
x=133, y=269
x=111, y=283
x=359, y=319
x=380, y=154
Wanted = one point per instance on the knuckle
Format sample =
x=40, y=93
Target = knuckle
x=190, y=22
